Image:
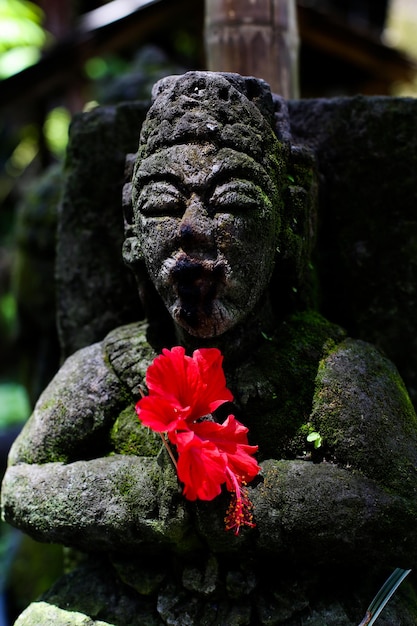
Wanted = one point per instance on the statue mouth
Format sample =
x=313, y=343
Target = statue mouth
x=197, y=285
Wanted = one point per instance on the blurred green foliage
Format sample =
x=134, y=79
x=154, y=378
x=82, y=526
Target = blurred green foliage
x=21, y=35
x=56, y=130
x=14, y=404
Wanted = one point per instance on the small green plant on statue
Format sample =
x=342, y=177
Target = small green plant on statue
x=315, y=438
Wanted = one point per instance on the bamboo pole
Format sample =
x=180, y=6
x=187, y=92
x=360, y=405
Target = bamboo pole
x=254, y=38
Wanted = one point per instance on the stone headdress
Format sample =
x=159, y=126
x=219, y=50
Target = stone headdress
x=225, y=109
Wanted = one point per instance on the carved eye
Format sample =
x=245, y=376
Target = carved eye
x=160, y=198
x=237, y=195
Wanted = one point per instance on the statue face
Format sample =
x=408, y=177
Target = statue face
x=207, y=229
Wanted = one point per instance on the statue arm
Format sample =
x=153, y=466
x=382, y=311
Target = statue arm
x=327, y=513
x=322, y=514
x=108, y=504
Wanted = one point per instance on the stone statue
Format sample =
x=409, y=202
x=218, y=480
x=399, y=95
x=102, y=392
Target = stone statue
x=219, y=222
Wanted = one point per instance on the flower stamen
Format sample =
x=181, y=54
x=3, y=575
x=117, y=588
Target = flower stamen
x=240, y=510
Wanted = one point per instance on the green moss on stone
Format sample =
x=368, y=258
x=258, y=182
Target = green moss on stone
x=278, y=381
x=128, y=436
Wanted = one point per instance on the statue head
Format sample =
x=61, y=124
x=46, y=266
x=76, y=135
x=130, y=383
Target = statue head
x=207, y=198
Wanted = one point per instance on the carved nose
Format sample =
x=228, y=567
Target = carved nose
x=196, y=227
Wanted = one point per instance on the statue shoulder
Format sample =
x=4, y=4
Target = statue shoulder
x=128, y=352
x=79, y=403
x=364, y=414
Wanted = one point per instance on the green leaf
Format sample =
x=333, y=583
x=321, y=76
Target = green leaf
x=314, y=438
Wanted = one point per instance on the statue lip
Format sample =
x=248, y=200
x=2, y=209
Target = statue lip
x=197, y=274
x=197, y=282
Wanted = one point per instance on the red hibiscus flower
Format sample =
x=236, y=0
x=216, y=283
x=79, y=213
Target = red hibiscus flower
x=182, y=391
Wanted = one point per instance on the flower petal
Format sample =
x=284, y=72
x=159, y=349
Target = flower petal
x=167, y=376
x=202, y=470
x=159, y=414
x=213, y=390
x=231, y=439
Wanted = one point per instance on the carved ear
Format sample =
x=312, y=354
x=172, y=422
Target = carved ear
x=132, y=253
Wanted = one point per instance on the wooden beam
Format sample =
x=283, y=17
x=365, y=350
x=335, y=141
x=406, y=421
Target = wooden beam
x=254, y=38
